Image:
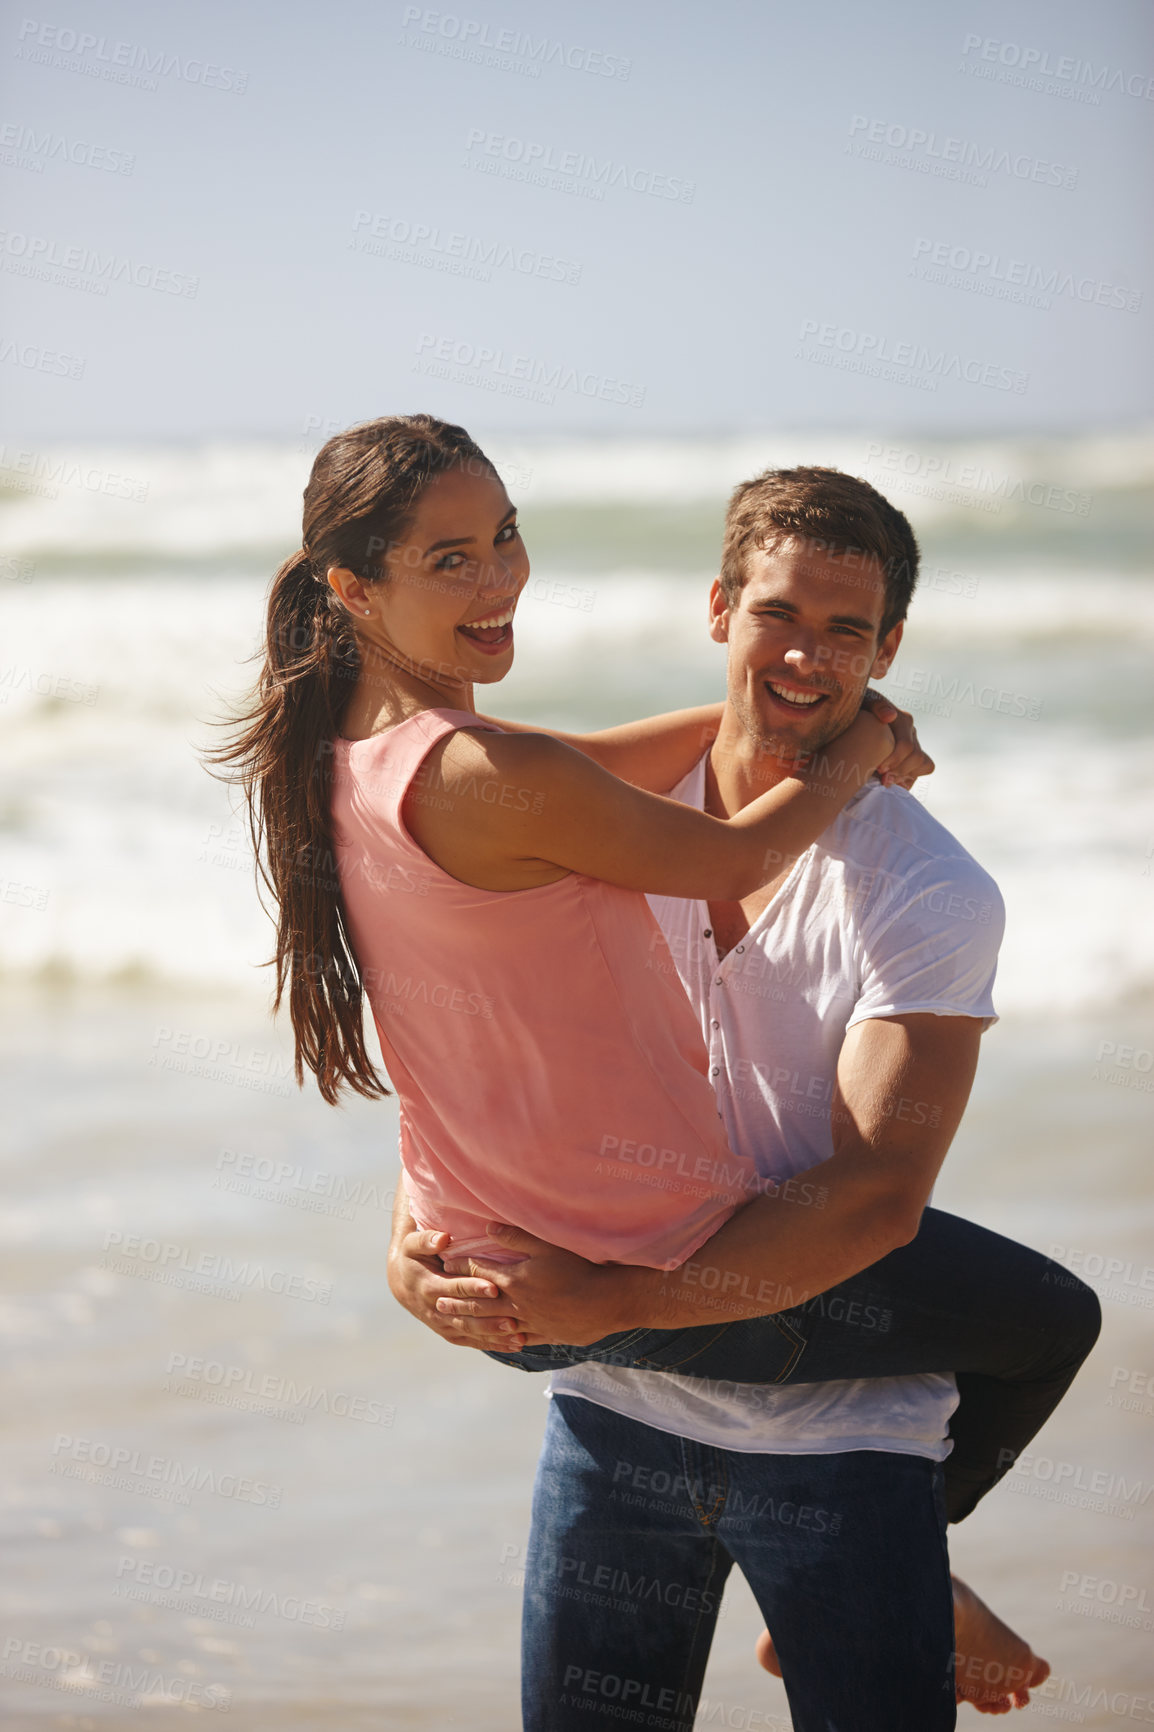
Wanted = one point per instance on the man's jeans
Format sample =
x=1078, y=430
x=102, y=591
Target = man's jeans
x=1012, y=1325
x=634, y=1533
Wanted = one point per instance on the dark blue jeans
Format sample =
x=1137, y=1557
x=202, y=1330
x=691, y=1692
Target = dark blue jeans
x=634, y=1533
x=1011, y=1325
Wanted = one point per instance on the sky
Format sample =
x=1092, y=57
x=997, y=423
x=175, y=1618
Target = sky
x=270, y=219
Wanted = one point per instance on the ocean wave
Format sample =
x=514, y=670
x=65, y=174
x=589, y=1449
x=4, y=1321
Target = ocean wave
x=96, y=504
x=125, y=860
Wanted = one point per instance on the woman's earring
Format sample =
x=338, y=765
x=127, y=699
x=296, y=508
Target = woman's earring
x=368, y=610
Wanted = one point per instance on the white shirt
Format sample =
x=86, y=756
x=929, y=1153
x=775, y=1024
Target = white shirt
x=886, y=916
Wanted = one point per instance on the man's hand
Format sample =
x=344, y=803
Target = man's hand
x=554, y=1295
x=907, y=761
x=551, y=1295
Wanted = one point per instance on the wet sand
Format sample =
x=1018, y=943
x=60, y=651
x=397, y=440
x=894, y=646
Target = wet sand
x=236, y=1471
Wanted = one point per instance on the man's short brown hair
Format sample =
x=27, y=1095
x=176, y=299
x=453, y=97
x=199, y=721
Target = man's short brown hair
x=843, y=516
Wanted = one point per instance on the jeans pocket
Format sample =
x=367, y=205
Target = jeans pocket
x=671, y=1349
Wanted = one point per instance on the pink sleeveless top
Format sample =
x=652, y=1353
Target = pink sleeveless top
x=550, y=1070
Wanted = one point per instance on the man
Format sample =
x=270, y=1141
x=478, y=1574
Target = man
x=842, y=1006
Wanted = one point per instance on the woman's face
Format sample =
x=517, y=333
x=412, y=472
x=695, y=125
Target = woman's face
x=446, y=609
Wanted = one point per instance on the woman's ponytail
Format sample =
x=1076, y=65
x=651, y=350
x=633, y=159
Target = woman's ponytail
x=362, y=491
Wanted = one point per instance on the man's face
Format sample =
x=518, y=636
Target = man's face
x=803, y=643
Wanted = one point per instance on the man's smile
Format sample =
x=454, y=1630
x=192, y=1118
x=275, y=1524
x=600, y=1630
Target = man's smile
x=795, y=697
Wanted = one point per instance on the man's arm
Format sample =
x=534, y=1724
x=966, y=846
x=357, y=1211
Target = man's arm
x=902, y=1086
x=653, y=753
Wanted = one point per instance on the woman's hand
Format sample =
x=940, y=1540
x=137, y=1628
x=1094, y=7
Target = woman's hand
x=868, y=741
x=420, y=1281
x=907, y=761
x=553, y=1295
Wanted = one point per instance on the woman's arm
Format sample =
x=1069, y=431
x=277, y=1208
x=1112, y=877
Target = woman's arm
x=653, y=753
x=514, y=811
x=657, y=751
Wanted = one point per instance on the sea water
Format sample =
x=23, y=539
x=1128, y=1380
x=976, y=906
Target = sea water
x=237, y=1474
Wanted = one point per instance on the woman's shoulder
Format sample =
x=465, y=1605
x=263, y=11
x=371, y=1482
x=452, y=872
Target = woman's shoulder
x=475, y=749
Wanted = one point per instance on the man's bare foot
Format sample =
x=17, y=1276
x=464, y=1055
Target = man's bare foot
x=995, y=1669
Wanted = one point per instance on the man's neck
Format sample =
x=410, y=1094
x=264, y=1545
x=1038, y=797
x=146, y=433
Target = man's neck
x=739, y=768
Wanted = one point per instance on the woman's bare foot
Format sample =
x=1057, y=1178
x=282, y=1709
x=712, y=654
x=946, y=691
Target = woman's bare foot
x=995, y=1669
x=767, y=1654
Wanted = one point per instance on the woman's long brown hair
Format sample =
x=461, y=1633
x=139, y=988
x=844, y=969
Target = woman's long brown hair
x=361, y=496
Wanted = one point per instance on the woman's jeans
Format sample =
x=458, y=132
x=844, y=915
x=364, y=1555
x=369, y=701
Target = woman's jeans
x=1010, y=1324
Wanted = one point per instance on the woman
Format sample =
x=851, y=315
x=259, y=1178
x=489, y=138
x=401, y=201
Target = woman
x=462, y=845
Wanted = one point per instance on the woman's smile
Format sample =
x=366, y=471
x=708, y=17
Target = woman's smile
x=492, y=633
